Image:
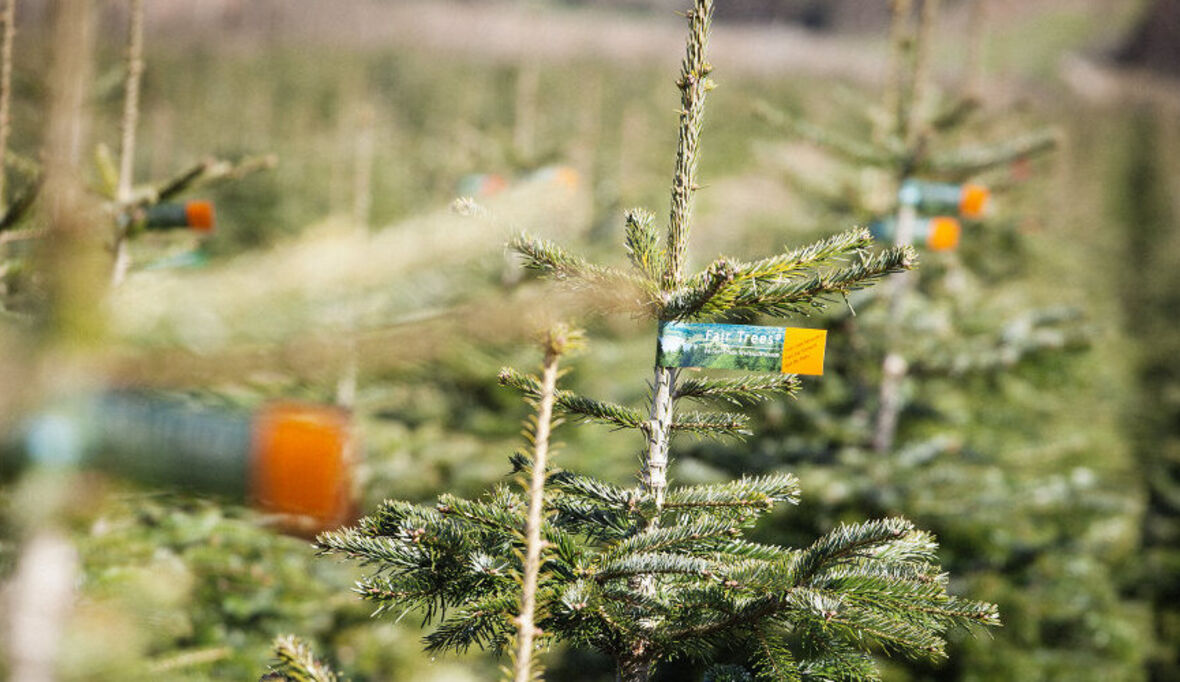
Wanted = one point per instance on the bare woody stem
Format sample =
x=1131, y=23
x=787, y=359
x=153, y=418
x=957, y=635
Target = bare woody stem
x=694, y=85
x=526, y=627
x=911, y=112
x=659, y=432
x=128, y=126
x=7, y=36
x=894, y=367
x=130, y=100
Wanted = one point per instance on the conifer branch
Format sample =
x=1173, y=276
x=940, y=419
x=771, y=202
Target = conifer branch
x=726, y=672
x=553, y=261
x=775, y=662
x=712, y=423
x=557, y=341
x=503, y=513
x=593, y=520
x=701, y=296
x=694, y=85
x=824, y=253
x=584, y=488
x=599, y=411
x=842, y=662
x=183, y=180
x=760, y=492
x=842, y=199
x=653, y=540
x=570, y=403
x=893, y=634
x=643, y=244
x=955, y=114
x=846, y=541
x=801, y=296
x=385, y=551
x=847, y=148
x=591, y=489
x=619, y=289
x=208, y=171
x=295, y=662
x=485, y=623
x=392, y=516
x=970, y=161
x=742, y=392
x=655, y=563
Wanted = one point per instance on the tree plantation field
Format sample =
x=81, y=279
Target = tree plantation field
x=442, y=232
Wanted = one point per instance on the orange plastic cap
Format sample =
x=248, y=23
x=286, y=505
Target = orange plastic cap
x=944, y=234
x=973, y=202
x=303, y=464
x=200, y=215
x=492, y=185
x=568, y=177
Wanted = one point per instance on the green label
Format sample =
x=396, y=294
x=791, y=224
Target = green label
x=721, y=346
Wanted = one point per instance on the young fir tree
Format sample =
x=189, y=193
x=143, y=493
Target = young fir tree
x=964, y=429
x=650, y=573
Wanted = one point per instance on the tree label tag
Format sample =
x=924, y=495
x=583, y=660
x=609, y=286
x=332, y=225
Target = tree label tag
x=788, y=350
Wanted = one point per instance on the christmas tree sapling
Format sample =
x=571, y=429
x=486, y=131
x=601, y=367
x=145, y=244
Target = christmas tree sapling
x=649, y=573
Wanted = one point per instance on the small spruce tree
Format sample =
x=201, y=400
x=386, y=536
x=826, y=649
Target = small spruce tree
x=981, y=407
x=649, y=573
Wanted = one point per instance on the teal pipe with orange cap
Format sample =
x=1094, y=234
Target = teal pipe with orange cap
x=969, y=200
x=287, y=458
x=940, y=233
x=196, y=215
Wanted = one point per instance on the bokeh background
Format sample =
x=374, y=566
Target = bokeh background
x=1052, y=476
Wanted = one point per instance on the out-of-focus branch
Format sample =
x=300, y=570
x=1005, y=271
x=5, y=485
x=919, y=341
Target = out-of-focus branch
x=7, y=37
x=129, y=124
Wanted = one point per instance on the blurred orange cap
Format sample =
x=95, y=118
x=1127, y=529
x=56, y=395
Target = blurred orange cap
x=200, y=215
x=973, y=202
x=944, y=234
x=568, y=177
x=303, y=464
x=493, y=184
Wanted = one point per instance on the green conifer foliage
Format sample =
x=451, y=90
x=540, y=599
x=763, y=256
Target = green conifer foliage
x=651, y=572
x=295, y=662
x=978, y=452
